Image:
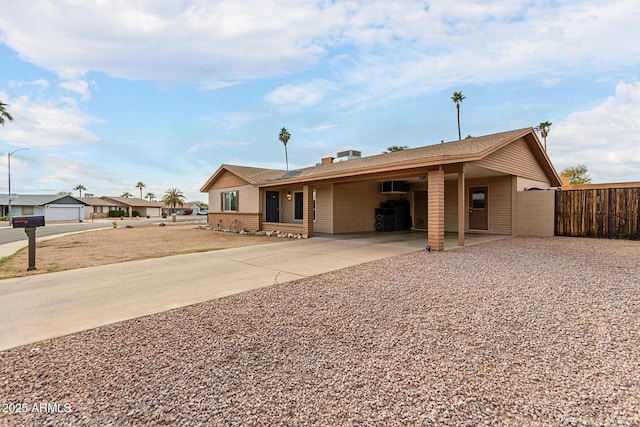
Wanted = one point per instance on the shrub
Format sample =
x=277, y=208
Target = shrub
x=116, y=213
x=135, y=214
x=187, y=211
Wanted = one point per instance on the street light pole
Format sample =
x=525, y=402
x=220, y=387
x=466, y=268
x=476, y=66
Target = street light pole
x=9, y=180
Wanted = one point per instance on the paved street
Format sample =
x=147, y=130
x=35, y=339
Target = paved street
x=8, y=234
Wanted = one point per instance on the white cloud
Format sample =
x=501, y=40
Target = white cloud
x=234, y=145
x=46, y=124
x=605, y=138
x=396, y=49
x=42, y=83
x=80, y=87
x=293, y=98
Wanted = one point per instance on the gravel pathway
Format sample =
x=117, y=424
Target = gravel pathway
x=520, y=331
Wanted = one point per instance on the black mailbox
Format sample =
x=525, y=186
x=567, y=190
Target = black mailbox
x=27, y=221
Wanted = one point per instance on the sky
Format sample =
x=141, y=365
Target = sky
x=110, y=93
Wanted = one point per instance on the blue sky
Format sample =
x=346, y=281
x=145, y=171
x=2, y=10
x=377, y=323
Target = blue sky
x=106, y=94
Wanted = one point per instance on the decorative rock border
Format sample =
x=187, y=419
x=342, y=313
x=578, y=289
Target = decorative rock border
x=244, y=231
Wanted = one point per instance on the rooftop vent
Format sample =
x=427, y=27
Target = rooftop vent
x=348, y=155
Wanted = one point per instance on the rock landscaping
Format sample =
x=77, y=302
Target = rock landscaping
x=244, y=231
x=515, y=332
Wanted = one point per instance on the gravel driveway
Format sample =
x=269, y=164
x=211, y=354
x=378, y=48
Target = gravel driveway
x=519, y=331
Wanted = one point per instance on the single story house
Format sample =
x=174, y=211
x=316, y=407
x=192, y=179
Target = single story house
x=52, y=207
x=100, y=208
x=472, y=185
x=134, y=204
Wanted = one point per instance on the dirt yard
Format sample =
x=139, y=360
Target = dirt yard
x=121, y=244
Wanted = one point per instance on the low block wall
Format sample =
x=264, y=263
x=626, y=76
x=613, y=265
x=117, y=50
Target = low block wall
x=235, y=220
x=535, y=213
x=282, y=226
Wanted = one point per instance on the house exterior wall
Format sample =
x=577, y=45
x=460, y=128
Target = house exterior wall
x=451, y=205
x=324, y=209
x=535, y=213
x=515, y=159
x=248, y=198
x=499, y=202
x=524, y=184
x=354, y=206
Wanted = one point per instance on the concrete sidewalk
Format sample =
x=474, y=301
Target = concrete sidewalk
x=51, y=305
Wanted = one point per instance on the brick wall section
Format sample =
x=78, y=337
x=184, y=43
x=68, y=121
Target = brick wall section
x=284, y=227
x=436, y=210
x=235, y=220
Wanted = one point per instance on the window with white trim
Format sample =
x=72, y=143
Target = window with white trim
x=230, y=201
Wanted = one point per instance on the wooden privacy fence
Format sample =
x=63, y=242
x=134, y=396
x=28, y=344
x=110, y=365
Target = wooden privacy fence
x=611, y=213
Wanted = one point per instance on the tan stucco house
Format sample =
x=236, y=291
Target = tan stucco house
x=471, y=185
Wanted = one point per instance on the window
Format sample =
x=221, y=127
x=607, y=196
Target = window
x=478, y=199
x=298, y=205
x=27, y=210
x=230, y=201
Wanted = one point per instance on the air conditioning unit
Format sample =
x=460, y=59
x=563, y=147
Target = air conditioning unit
x=390, y=187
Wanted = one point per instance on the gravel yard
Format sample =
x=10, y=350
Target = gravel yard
x=520, y=331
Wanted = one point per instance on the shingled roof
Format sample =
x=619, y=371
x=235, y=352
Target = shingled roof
x=438, y=154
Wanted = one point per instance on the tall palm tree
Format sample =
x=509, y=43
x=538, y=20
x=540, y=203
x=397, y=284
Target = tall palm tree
x=4, y=114
x=80, y=188
x=284, y=138
x=173, y=197
x=126, y=195
x=543, y=128
x=140, y=185
x=150, y=196
x=458, y=97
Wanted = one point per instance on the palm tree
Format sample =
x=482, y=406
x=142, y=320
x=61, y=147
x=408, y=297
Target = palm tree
x=543, y=128
x=394, y=148
x=4, y=114
x=458, y=97
x=150, y=196
x=126, y=195
x=172, y=197
x=80, y=188
x=284, y=138
x=140, y=185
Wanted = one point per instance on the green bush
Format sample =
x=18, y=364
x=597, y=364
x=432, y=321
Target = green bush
x=116, y=213
x=135, y=213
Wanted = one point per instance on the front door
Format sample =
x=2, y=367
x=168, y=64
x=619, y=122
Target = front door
x=478, y=209
x=273, y=206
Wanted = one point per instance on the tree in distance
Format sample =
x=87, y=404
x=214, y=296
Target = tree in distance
x=577, y=174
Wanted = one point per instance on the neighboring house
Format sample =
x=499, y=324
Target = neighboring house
x=195, y=207
x=100, y=208
x=134, y=204
x=472, y=185
x=52, y=207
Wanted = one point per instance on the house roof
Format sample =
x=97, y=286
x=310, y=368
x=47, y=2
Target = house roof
x=41, y=200
x=131, y=201
x=97, y=201
x=431, y=155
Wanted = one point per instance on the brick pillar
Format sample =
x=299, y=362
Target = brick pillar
x=307, y=210
x=436, y=210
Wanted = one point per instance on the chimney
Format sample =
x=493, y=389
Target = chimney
x=327, y=160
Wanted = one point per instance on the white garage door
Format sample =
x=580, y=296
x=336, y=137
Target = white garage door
x=63, y=213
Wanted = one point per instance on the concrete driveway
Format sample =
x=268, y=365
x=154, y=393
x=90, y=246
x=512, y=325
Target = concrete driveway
x=51, y=305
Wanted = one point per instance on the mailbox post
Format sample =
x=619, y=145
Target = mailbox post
x=29, y=223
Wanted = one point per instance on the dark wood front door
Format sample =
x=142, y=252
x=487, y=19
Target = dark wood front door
x=273, y=206
x=478, y=208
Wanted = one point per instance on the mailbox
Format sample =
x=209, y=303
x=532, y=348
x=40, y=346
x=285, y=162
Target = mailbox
x=27, y=221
